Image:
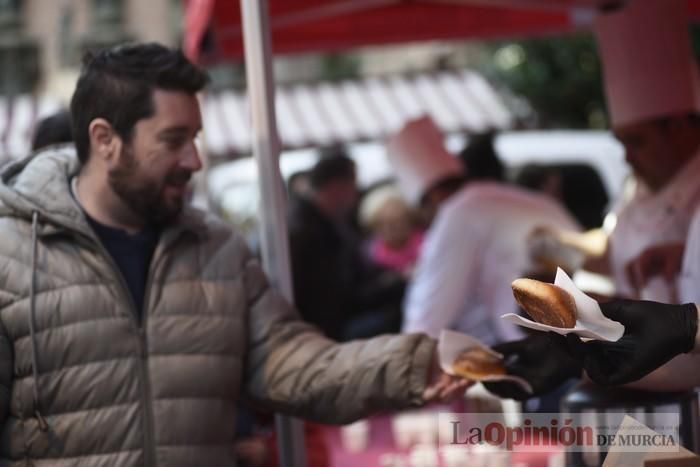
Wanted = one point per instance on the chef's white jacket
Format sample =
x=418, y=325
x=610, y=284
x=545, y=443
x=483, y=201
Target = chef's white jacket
x=689, y=280
x=473, y=251
x=649, y=219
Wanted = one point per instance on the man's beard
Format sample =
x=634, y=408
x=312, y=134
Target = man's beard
x=145, y=197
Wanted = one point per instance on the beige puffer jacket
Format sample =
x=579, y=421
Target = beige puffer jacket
x=83, y=383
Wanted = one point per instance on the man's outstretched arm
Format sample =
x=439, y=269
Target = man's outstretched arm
x=292, y=368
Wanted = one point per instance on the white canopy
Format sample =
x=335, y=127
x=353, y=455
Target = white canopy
x=354, y=111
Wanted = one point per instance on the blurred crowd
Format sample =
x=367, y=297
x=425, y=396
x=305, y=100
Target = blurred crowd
x=357, y=250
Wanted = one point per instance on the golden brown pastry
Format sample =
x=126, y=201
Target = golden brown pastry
x=545, y=303
x=476, y=364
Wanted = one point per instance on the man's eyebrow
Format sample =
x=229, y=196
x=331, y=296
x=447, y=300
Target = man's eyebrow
x=175, y=131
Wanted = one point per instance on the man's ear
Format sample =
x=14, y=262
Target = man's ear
x=105, y=143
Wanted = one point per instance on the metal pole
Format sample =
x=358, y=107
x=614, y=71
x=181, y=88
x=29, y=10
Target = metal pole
x=273, y=208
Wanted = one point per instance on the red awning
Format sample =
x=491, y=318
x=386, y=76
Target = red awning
x=326, y=25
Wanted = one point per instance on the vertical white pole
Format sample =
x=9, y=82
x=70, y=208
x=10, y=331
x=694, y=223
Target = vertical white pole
x=273, y=207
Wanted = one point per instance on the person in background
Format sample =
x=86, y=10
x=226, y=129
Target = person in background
x=579, y=187
x=335, y=287
x=54, y=129
x=660, y=210
x=474, y=248
x=654, y=101
x=395, y=236
x=298, y=184
x=545, y=179
x=480, y=156
x=133, y=323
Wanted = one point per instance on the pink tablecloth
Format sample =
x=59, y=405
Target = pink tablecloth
x=381, y=442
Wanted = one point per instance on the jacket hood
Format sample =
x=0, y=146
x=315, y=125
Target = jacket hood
x=41, y=183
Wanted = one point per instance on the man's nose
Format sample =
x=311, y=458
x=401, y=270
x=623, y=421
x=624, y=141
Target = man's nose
x=190, y=159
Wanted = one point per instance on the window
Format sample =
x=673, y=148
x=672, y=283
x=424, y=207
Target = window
x=107, y=12
x=107, y=25
x=10, y=14
x=19, y=55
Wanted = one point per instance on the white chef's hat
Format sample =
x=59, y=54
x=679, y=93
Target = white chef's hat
x=418, y=155
x=648, y=67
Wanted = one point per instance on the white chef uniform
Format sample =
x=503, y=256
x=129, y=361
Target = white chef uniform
x=689, y=280
x=473, y=251
x=649, y=73
x=650, y=219
x=475, y=247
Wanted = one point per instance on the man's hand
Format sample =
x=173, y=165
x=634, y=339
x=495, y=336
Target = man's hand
x=654, y=334
x=254, y=451
x=661, y=260
x=443, y=387
x=542, y=360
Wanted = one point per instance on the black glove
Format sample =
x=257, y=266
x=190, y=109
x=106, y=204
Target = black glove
x=542, y=360
x=654, y=334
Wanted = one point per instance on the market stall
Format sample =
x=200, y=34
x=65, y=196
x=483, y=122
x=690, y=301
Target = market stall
x=219, y=30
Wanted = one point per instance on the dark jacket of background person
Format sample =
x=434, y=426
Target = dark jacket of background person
x=333, y=282
x=54, y=129
x=579, y=187
x=82, y=382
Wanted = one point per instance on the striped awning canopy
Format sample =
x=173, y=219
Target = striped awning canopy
x=310, y=115
x=353, y=111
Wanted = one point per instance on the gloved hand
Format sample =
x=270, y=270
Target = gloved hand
x=542, y=360
x=654, y=334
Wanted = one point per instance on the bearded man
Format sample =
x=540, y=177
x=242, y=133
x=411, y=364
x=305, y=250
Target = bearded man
x=132, y=324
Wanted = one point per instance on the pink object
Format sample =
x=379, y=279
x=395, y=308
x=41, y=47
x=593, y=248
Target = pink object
x=401, y=260
x=647, y=62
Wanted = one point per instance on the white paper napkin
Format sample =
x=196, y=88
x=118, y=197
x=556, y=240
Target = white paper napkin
x=452, y=344
x=590, y=321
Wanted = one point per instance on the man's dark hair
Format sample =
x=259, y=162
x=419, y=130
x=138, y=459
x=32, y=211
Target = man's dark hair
x=534, y=176
x=54, y=129
x=447, y=185
x=480, y=158
x=331, y=168
x=693, y=119
x=117, y=84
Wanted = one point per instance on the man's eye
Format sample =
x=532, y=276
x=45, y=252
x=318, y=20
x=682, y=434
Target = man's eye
x=174, y=142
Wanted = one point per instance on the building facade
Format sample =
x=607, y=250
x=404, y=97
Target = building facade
x=42, y=41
